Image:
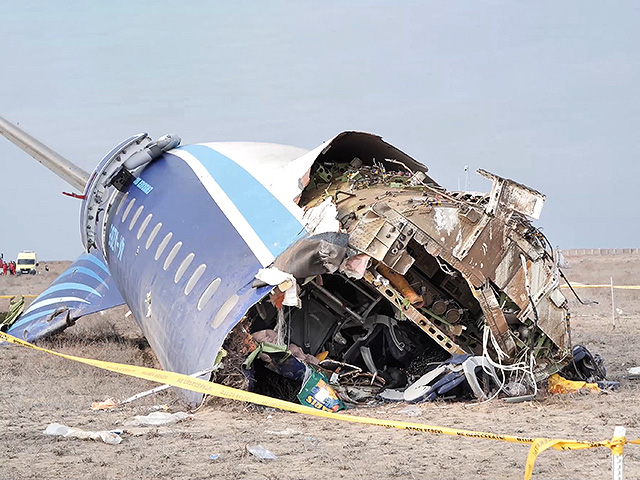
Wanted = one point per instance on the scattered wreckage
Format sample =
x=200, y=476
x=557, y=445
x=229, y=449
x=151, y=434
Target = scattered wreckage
x=346, y=270
x=409, y=292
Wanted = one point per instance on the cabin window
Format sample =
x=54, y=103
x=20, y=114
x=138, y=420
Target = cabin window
x=194, y=279
x=172, y=254
x=128, y=209
x=121, y=204
x=163, y=245
x=225, y=309
x=153, y=234
x=143, y=226
x=208, y=293
x=135, y=217
x=183, y=267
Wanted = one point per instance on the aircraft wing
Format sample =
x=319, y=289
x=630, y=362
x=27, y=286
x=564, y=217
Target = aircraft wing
x=85, y=287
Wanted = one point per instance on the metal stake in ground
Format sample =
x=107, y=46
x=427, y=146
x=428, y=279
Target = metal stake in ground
x=616, y=453
x=613, y=306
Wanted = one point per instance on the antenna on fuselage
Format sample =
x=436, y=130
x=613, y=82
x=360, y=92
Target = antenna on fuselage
x=71, y=173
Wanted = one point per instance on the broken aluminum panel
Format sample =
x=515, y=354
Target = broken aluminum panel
x=481, y=237
x=513, y=195
x=495, y=318
x=407, y=310
x=384, y=236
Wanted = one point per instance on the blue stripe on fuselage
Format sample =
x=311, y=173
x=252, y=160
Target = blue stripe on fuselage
x=95, y=261
x=273, y=223
x=71, y=286
x=85, y=271
x=26, y=318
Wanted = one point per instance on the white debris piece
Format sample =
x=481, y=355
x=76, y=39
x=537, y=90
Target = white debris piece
x=274, y=276
x=260, y=452
x=287, y=432
x=634, y=372
x=157, y=418
x=58, y=430
x=411, y=411
x=322, y=218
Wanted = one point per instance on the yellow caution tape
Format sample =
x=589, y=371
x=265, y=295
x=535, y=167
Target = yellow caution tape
x=25, y=296
x=538, y=445
x=619, y=287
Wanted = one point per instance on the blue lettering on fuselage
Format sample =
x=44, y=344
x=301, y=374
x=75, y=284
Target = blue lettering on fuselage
x=142, y=185
x=116, y=242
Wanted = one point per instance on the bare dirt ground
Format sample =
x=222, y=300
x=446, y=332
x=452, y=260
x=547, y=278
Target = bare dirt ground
x=37, y=389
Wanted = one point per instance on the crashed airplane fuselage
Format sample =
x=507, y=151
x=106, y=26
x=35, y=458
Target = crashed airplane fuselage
x=363, y=262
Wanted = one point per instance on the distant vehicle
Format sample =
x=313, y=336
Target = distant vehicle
x=26, y=262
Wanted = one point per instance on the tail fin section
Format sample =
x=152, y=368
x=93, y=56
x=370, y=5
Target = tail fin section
x=85, y=287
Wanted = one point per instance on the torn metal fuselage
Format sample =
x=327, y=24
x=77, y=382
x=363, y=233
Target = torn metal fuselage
x=384, y=270
x=440, y=273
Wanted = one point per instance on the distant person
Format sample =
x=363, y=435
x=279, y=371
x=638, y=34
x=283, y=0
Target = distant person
x=4, y=268
x=12, y=268
x=1, y=262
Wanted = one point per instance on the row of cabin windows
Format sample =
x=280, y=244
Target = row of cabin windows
x=195, y=276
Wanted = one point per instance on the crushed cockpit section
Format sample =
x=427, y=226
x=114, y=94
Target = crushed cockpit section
x=407, y=291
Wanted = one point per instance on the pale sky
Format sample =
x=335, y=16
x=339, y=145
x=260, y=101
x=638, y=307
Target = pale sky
x=546, y=93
